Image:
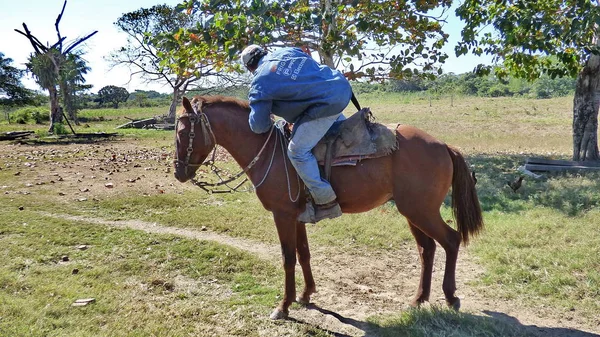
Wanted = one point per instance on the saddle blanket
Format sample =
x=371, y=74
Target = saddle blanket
x=355, y=139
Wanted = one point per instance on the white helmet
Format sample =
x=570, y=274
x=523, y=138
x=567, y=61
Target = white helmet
x=250, y=54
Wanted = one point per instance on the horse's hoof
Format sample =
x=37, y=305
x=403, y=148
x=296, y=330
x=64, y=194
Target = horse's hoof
x=415, y=304
x=454, y=304
x=278, y=314
x=303, y=301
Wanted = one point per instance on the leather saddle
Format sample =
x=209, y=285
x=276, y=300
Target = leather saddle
x=353, y=139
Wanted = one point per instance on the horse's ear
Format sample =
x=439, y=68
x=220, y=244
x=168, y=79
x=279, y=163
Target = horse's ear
x=187, y=105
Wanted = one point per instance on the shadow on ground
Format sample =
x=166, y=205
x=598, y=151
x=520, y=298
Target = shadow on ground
x=571, y=194
x=536, y=330
x=443, y=323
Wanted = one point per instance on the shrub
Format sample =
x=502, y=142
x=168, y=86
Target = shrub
x=499, y=90
x=30, y=114
x=39, y=117
x=60, y=129
x=19, y=117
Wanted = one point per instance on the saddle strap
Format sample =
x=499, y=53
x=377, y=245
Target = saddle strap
x=355, y=102
x=328, y=159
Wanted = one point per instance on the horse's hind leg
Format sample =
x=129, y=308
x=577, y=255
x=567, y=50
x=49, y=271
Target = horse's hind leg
x=426, y=247
x=304, y=260
x=432, y=225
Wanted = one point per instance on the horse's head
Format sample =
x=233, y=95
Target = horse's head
x=194, y=140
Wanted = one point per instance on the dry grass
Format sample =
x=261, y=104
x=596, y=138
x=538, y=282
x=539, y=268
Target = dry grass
x=491, y=125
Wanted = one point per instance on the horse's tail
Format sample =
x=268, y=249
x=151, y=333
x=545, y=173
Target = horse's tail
x=465, y=202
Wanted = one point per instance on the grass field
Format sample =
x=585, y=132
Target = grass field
x=540, y=248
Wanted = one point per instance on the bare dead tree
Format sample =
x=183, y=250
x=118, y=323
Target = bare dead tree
x=47, y=61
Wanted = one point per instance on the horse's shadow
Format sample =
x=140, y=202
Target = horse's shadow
x=346, y=320
x=371, y=329
x=536, y=330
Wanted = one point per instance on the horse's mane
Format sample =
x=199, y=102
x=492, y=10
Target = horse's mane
x=202, y=102
x=218, y=99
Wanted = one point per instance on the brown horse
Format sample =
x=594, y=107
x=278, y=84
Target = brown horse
x=417, y=176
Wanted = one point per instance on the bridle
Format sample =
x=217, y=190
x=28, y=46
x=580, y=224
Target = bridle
x=199, y=117
x=194, y=118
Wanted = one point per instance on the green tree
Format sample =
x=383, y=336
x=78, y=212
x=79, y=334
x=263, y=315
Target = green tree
x=113, y=95
x=525, y=33
x=372, y=39
x=141, y=98
x=153, y=58
x=47, y=63
x=43, y=67
x=12, y=92
x=71, y=80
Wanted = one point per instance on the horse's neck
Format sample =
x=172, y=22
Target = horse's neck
x=233, y=133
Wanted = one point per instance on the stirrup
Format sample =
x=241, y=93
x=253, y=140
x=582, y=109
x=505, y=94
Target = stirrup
x=308, y=216
x=330, y=210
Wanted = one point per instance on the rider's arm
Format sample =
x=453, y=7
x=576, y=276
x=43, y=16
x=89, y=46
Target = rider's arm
x=260, y=116
x=260, y=105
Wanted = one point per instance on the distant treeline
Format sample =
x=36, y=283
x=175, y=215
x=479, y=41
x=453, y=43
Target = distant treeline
x=138, y=98
x=152, y=98
x=469, y=84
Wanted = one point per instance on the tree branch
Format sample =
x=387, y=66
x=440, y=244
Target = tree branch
x=435, y=18
x=37, y=45
x=60, y=39
x=59, y=42
x=79, y=42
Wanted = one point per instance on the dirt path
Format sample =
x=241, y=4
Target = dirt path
x=354, y=287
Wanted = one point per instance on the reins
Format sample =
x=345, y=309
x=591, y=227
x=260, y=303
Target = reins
x=211, y=187
x=206, y=186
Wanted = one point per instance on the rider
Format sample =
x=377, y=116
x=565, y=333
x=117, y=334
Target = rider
x=290, y=84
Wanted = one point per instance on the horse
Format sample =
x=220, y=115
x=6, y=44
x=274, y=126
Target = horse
x=417, y=176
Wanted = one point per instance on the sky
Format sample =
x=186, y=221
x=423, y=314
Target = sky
x=82, y=17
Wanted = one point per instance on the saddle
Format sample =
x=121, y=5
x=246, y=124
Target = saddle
x=354, y=139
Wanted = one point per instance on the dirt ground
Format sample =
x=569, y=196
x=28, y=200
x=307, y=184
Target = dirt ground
x=350, y=287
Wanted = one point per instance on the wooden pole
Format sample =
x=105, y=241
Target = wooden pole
x=65, y=116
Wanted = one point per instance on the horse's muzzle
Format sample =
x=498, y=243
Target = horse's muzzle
x=182, y=173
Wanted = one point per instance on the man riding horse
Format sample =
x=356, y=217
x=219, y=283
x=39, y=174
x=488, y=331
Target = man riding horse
x=290, y=84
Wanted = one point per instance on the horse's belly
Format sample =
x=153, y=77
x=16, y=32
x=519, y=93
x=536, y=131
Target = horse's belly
x=363, y=187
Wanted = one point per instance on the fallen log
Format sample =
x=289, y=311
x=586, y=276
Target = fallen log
x=138, y=124
x=165, y=126
x=543, y=161
x=90, y=135
x=552, y=165
x=555, y=168
x=12, y=135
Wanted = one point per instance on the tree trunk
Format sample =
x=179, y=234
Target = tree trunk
x=69, y=102
x=55, y=113
x=330, y=33
x=327, y=60
x=585, y=111
x=174, y=103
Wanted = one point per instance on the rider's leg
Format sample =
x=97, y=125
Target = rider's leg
x=306, y=137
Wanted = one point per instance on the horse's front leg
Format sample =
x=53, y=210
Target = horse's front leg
x=304, y=260
x=286, y=229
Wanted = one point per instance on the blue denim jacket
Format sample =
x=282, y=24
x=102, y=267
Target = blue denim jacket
x=293, y=86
